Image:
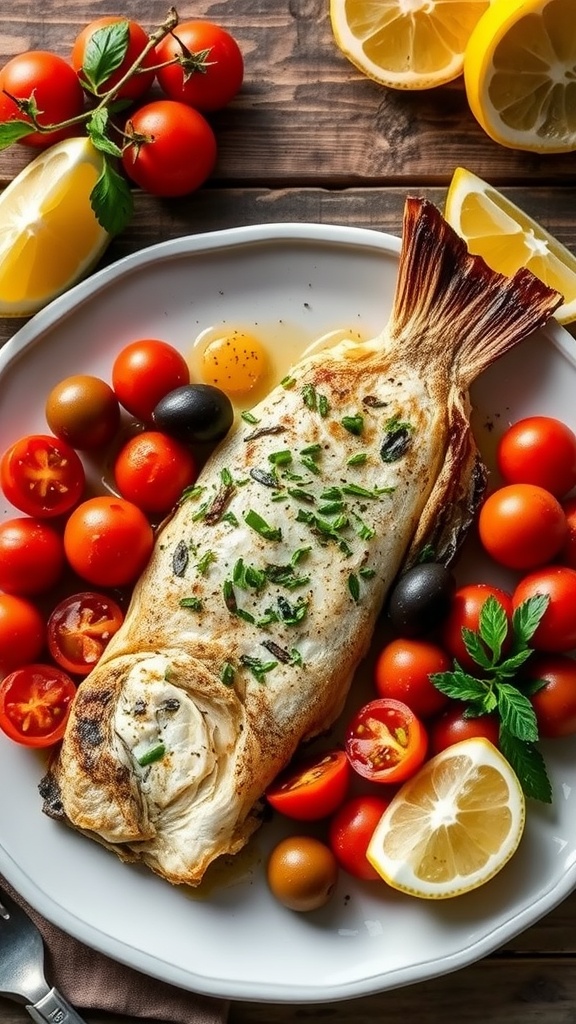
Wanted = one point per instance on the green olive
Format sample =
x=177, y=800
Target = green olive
x=302, y=873
x=83, y=411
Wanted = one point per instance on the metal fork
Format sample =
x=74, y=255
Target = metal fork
x=22, y=968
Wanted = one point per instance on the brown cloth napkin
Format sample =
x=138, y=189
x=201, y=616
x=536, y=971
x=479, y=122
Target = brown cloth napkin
x=92, y=981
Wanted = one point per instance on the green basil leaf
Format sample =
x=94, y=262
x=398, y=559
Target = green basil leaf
x=12, y=131
x=105, y=51
x=459, y=685
x=97, y=127
x=516, y=713
x=493, y=623
x=526, y=619
x=111, y=200
x=476, y=648
x=528, y=764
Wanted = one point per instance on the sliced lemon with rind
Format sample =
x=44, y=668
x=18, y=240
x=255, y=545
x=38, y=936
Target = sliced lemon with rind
x=49, y=234
x=406, y=44
x=507, y=238
x=520, y=74
x=453, y=826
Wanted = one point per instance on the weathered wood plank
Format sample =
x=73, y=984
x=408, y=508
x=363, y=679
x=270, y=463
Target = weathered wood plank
x=305, y=115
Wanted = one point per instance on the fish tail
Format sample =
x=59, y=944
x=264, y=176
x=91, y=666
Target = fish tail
x=450, y=306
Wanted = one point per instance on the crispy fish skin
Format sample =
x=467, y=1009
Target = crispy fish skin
x=263, y=590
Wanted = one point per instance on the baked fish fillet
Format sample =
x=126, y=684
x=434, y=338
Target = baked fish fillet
x=264, y=587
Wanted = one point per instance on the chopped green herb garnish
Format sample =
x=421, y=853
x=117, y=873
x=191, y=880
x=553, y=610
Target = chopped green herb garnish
x=281, y=458
x=323, y=406
x=227, y=673
x=364, y=492
x=257, y=667
x=353, y=424
x=287, y=382
x=292, y=614
x=226, y=477
x=311, y=449
x=367, y=573
x=194, y=603
x=153, y=754
x=205, y=561
x=310, y=464
x=331, y=508
x=357, y=460
x=191, y=492
x=257, y=523
x=248, y=576
x=354, y=586
x=249, y=417
x=299, y=555
x=301, y=495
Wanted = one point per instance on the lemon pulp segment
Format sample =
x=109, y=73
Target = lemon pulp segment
x=406, y=44
x=507, y=238
x=453, y=825
x=49, y=234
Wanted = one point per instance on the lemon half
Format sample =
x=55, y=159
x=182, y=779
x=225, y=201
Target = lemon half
x=49, y=234
x=520, y=74
x=452, y=826
x=406, y=44
x=508, y=238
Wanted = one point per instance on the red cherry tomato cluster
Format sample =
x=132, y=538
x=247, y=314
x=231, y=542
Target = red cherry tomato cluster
x=169, y=146
x=67, y=564
x=527, y=525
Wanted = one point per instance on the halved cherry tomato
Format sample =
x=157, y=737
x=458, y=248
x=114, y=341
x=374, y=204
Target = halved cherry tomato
x=80, y=628
x=42, y=475
x=385, y=741
x=35, y=703
x=312, y=788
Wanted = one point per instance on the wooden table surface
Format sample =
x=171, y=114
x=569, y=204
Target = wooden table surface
x=310, y=139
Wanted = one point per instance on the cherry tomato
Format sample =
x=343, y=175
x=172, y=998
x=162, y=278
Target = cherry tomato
x=42, y=476
x=152, y=469
x=144, y=372
x=465, y=608
x=403, y=671
x=80, y=628
x=312, y=788
x=22, y=632
x=555, y=703
x=302, y=873
x=55, y=90
x=31, y=556
x=171, y=148
x=108, y=541
x=556, y=630
x=385, y=741
x=522, y=526
x=351, y=829
x=452, y=725
x=567, y=554
x=35, y=704
x=539, y=450
x=99, y=38
x=83, y=411
x=207, y=66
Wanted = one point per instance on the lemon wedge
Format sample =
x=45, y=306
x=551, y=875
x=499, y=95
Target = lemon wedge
x=49, y=234
x=520, y=74
x=452, y=826
x=508, y=238
x=406, y=44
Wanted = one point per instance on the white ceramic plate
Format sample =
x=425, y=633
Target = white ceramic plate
x=236, y=941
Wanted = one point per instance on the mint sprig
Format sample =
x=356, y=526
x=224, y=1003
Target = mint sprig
x=498, y=690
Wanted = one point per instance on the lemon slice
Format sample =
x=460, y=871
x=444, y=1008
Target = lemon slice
x=406, y=44
x=49, y=235
x=520, y=74
x=452, y=826
x=507, y=238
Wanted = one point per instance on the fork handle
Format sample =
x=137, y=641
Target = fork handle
x=53, y=1009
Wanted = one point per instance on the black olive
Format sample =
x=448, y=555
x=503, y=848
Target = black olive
x=421, y=598
x=194, y=412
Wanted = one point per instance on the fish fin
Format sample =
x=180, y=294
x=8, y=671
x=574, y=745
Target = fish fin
x=452, y=313
x=455, y=498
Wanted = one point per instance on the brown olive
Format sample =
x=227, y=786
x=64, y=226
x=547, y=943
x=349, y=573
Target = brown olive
x=83, y=411
x=302, y=873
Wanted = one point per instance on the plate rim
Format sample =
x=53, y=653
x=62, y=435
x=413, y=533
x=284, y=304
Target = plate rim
x=556, y=892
